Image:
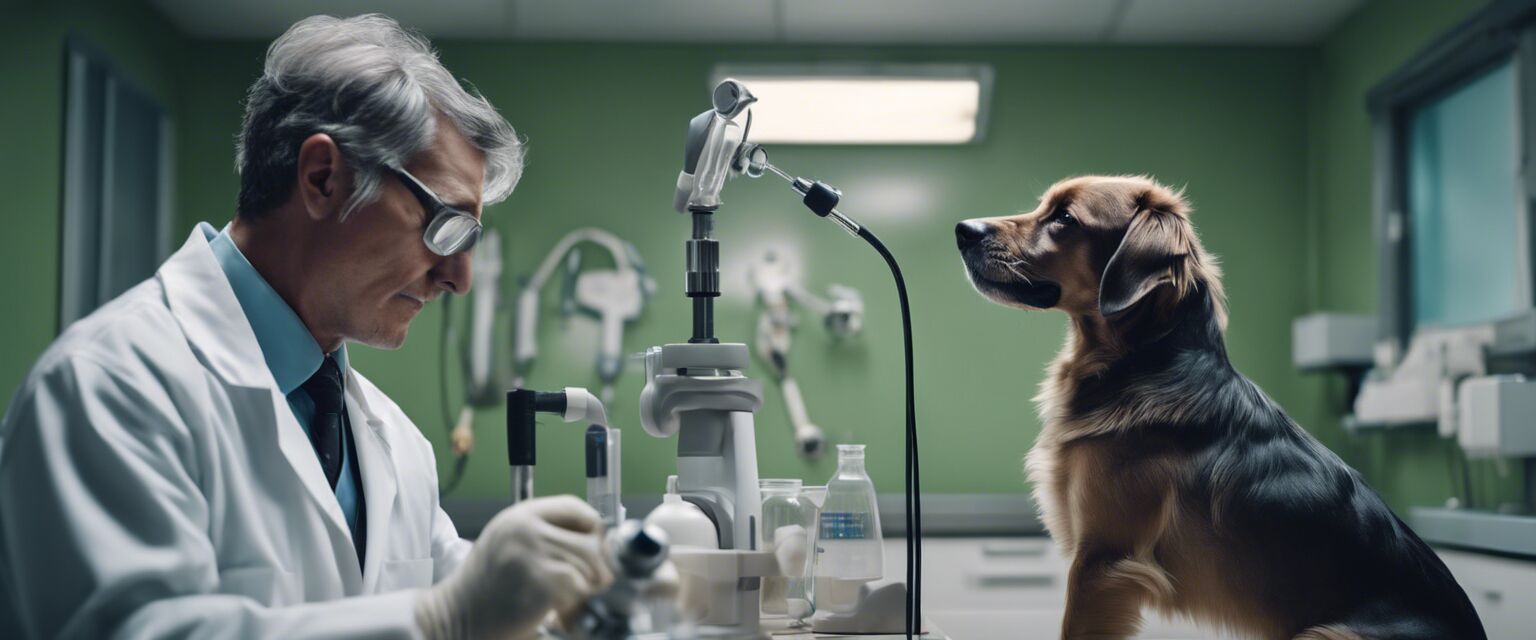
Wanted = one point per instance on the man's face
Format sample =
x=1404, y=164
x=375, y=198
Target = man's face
x=380, y=271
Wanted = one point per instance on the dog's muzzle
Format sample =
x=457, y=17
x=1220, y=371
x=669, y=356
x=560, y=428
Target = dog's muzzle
x=974, y=239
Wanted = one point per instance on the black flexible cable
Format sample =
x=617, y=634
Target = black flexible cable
x=914, y=502
x=445, y=338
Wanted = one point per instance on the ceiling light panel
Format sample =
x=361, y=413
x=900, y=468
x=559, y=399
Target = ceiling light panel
x=866, y=104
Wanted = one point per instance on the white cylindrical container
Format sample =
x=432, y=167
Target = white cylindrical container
x=788, y=529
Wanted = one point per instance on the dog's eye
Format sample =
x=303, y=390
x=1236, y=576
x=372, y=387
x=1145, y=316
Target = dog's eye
x=1062, y=217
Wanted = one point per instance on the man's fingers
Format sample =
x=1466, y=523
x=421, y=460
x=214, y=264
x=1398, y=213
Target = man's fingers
x=567, y=512
x=568, y=588
x=586, y=551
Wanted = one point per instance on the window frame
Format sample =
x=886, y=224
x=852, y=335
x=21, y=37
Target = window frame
x=1503, y=32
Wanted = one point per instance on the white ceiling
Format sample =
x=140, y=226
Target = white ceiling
x=801, y=21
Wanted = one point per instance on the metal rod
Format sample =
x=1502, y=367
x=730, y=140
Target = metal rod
x=522, y=482
x=703, y=320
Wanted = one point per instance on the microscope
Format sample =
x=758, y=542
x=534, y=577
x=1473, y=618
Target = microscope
x=696, y=390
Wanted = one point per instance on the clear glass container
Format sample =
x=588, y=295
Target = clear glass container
x=789, y=530
x=850, y=547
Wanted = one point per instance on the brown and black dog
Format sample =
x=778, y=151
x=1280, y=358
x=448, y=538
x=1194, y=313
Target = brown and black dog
x=1169, y=479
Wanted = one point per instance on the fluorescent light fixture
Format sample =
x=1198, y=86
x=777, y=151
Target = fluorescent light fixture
x=865, y=104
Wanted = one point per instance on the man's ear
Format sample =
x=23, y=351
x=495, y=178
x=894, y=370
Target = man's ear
x=325, y=180
x=1155, y=242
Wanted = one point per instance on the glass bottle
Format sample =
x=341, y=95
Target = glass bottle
x=850, y=546
x=788, y=529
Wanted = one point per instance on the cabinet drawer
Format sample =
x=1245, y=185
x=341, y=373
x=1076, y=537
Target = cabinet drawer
x=1501, y=589
x=985, y=574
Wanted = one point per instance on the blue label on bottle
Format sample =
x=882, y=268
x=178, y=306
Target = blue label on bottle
x=843, y=525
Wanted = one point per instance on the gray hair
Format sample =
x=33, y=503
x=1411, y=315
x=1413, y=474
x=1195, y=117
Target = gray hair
x=376, y=89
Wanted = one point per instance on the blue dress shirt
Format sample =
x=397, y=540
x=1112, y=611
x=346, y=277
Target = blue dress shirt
x=293, y=356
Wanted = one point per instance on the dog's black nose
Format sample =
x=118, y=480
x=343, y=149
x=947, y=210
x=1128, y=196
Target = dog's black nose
x=969, y=233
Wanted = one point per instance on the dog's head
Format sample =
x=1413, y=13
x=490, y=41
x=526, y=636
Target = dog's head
x=1096, y=245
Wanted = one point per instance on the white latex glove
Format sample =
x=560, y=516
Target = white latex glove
x=535, y=557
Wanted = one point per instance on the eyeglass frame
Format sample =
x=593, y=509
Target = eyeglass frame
x=439, y=213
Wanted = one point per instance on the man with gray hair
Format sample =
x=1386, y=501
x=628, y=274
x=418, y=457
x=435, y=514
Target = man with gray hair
x=197, y=459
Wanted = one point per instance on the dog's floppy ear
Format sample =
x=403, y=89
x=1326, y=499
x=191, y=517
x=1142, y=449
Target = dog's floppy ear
x=1154, y=244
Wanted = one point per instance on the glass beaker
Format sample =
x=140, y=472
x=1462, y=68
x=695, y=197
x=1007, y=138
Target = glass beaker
x=789, y=530
x=850, y=547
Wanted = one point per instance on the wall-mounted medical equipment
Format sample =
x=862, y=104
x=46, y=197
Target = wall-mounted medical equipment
x=841, y=312
x=615, y=297
x=1496, y=416
x=483, y=373
x=696, y=391
x=1328, y=341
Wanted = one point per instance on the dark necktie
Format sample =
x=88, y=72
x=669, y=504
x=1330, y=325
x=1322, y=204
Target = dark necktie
x=324, y=388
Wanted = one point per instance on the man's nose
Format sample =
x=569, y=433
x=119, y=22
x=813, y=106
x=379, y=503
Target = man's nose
x=453, y=273
x=970, y=233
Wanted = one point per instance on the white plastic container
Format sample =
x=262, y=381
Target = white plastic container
x=685, y=524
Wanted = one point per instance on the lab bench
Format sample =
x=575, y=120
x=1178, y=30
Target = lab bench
x=1014, y=588
x=991, y=574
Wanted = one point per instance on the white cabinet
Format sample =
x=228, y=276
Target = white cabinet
x=1501, y=589
x=1002, y=589
x=1015, y=589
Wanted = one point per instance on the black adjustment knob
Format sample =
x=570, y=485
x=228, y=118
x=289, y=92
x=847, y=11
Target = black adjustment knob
x=820, y=197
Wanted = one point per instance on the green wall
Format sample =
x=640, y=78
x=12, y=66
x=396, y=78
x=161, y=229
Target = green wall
x=1414, y=466
x=32, y=34
x=604, y=125
x=1270, y=142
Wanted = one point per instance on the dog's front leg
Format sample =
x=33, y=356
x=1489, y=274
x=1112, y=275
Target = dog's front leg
x=1105, y=593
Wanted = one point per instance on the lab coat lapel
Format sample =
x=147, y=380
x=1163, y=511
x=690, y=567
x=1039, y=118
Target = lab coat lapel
x=377, y=467
x=201, y=300
x=266, y=411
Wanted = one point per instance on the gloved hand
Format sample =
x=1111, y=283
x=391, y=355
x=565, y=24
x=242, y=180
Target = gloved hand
x=535, y=557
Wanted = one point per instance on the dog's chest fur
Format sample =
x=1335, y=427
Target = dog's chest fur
x=1104, y=485
x=1090, y=473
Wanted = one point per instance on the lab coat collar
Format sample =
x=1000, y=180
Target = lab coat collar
x=204, y=305
x=286, y=344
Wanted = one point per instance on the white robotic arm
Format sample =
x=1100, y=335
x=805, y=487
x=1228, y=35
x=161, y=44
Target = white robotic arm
x=842, y=314
x=616, y=297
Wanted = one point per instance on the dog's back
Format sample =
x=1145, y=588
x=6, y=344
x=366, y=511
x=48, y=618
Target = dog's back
x=1306, y=522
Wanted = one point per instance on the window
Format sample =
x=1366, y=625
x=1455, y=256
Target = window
x=1464, y=205
x=1452, y=129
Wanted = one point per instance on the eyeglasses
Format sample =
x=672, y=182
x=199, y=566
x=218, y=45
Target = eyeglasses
x=449, y=230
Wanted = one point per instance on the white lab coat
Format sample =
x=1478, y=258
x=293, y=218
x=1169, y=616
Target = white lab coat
x=154, y=483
